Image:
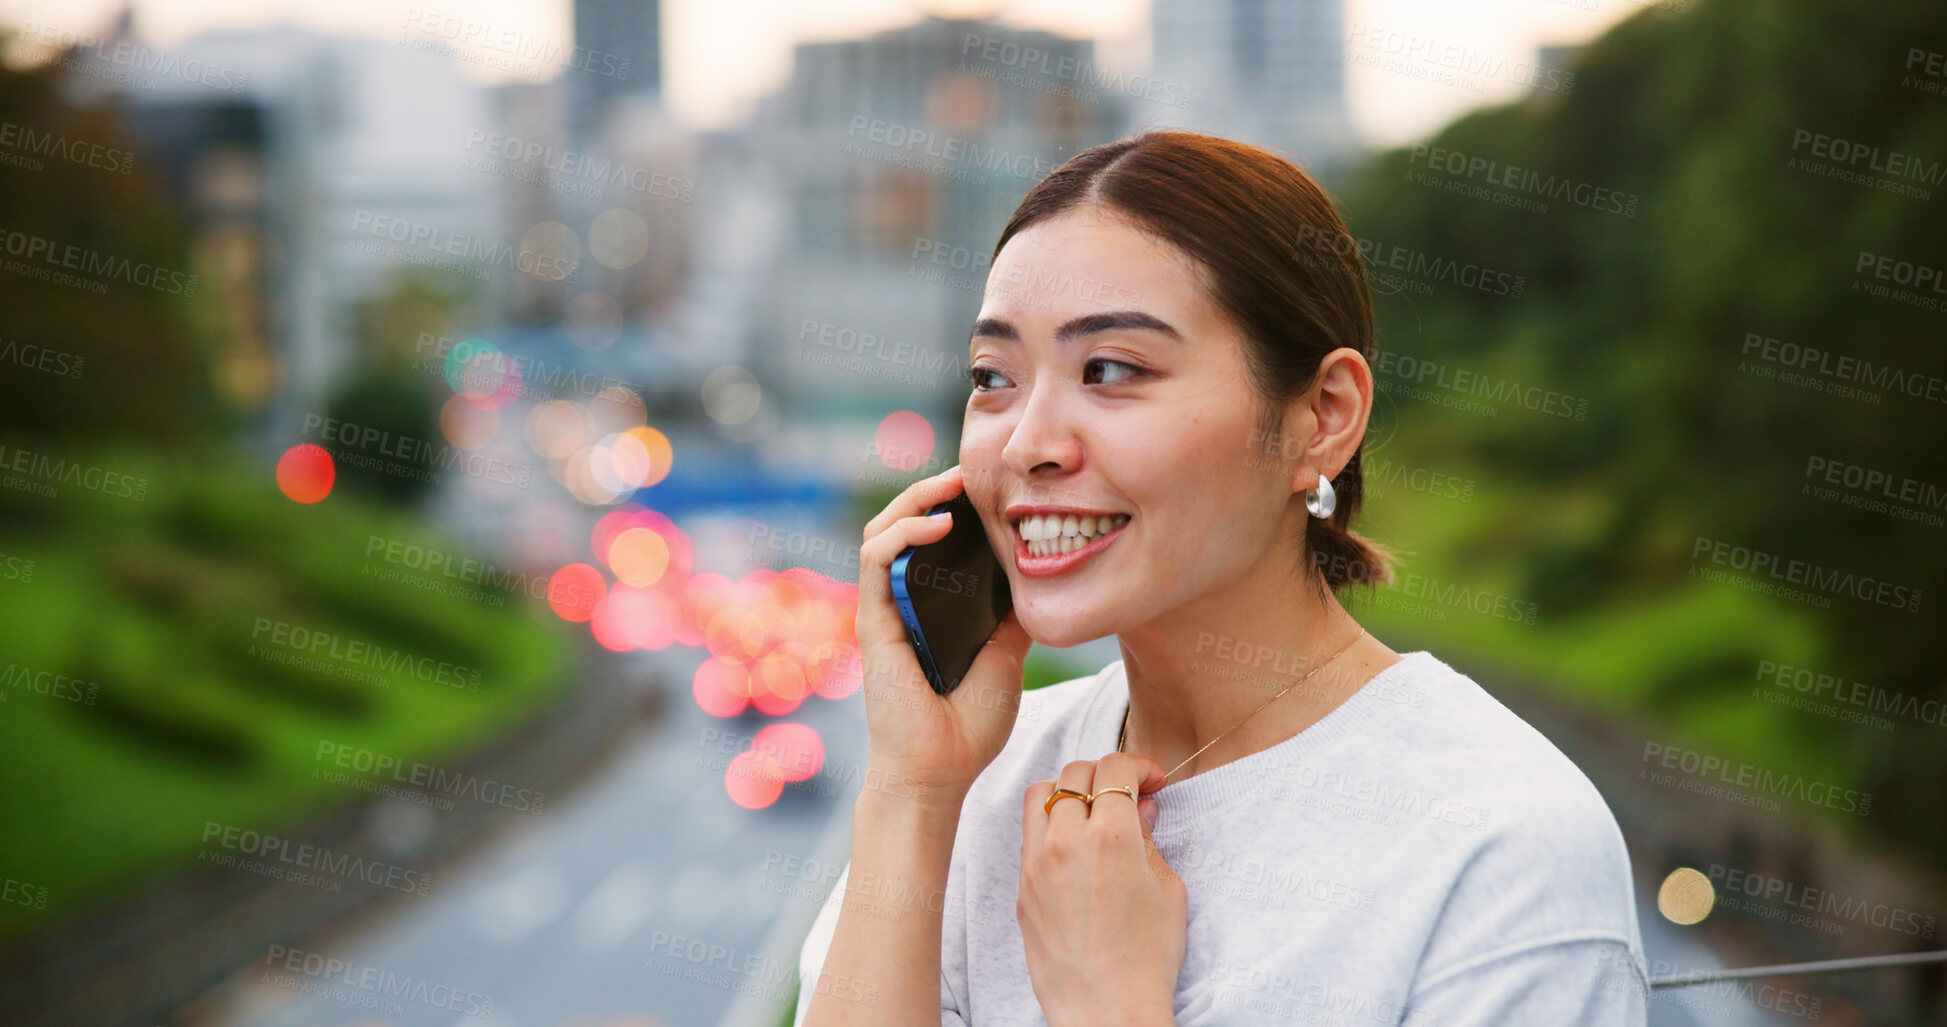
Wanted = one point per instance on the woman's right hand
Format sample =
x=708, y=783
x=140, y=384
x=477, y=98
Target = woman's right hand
x=923, y=744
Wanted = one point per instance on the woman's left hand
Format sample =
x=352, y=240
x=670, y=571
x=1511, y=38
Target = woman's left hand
x=1104, y=917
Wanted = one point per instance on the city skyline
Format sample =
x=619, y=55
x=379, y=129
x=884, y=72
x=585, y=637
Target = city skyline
x=1413, y=65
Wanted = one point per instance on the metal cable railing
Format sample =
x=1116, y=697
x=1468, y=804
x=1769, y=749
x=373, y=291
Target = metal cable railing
x=1826, y=966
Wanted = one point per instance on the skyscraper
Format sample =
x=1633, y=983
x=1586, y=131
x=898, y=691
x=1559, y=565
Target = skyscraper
x=618, y=51
x=1266, y=72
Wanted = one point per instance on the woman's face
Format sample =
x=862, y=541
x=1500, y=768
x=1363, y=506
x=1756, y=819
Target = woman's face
x=1106, y=381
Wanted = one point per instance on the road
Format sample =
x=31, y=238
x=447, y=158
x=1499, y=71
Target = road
x=578, y=917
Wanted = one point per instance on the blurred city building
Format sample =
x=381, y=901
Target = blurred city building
x=899, y=157
x=1267, y=72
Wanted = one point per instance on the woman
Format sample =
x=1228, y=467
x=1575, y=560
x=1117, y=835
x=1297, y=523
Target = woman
x=1297, y=822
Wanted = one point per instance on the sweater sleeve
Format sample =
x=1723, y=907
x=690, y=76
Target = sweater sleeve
x=1587, y=979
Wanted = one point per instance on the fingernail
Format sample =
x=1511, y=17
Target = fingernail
x=1147, y=810
x=943, y=515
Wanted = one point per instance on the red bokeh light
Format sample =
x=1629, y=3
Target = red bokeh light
x=575, y=591
x=797, y=748
x=753, y=780
x=305, y=473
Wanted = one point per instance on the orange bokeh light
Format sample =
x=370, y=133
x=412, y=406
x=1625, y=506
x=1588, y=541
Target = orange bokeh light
x=639, y=556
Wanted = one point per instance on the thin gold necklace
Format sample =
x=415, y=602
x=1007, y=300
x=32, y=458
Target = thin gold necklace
x=1120, y=738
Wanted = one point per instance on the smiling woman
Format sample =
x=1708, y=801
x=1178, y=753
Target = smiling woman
x=1344, y=833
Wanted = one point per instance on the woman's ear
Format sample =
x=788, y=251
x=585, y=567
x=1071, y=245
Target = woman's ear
x=1337, y=407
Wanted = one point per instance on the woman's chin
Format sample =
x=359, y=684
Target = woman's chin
x=1060, y=631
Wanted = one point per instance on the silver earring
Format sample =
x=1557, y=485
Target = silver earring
x=1322, y=500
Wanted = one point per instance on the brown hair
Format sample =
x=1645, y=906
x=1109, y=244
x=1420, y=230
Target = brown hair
x=1277, y=257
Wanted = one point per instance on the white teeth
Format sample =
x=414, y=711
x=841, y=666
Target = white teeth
x=1049, y=535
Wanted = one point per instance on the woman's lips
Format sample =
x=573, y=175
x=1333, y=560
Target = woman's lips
x=1060, y=563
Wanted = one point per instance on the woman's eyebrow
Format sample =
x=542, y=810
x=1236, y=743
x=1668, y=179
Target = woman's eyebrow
x=1088, y=324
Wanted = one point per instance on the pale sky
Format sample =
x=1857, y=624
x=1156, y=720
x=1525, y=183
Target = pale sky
x=720, y=55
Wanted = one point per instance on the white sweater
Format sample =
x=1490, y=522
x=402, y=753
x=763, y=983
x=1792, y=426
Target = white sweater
x=1420, y=856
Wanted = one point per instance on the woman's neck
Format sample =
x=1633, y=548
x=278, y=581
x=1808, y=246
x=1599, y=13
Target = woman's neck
x=1198, y=673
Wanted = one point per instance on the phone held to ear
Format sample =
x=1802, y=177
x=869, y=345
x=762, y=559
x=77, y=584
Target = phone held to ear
x=952, y=594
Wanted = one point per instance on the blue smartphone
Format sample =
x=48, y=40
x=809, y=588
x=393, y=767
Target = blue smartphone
x=952, y=594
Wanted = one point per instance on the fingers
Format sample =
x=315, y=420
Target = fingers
x=1118, y=811
x=1078, y=775
x=1037, y=816
x=878, y=622
x=1131, y=768
x=916, y=499
x=902, y=523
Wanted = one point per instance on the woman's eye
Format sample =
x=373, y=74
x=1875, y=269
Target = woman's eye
x=1103, y=361
x=976, y=377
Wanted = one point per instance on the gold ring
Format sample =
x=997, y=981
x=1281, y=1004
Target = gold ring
x=1124, y=789
x=1060, y=794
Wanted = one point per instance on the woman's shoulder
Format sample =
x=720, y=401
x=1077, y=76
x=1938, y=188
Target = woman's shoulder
x=1544, y=854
